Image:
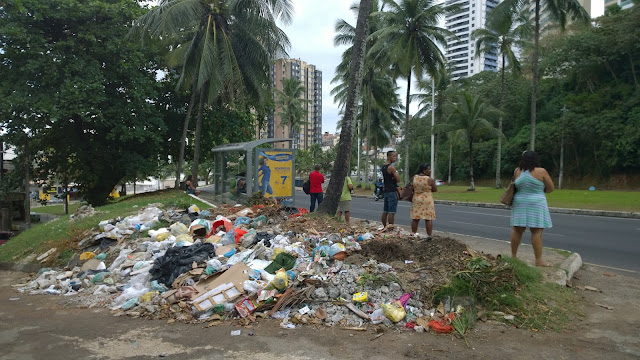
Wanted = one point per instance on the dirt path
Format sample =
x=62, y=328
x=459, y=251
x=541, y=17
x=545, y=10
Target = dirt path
x=40, y=327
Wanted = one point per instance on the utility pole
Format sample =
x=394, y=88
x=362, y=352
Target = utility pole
x=433, y=121
x=1, y=160
x=564, y=112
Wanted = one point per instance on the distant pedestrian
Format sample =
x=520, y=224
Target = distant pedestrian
x=529, y=207
x=344, y=205
x=316, y=179
x=391, y=179
x=190, y=187
x=422, y=204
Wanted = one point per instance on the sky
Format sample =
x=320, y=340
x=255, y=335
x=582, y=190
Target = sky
x=311, y=35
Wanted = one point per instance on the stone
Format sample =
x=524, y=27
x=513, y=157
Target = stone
x=334, y=292
x=394, y=287
x=384, y=289
x=320, y=294
x=418, y=329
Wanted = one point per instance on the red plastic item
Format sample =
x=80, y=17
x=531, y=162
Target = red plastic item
x=216, y=224
x=239, y=233
x=410, y=325
x=301, y=211
x=443, y=326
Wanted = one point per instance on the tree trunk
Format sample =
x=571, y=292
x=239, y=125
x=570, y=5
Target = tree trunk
x=561, y=159
x=27, y=199
x=368, y=136
x=473, y=185
x=196, y=142
x=341, y=164
x=499, y=152
x=534, y=83
x=65, y=184
x=406, y=131
x=450, y=155
x=183, y=139
x=633, y=71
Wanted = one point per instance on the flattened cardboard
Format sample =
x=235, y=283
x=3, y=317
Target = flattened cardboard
x=219, y=289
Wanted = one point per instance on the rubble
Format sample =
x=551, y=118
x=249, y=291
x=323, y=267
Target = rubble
x=244, y=264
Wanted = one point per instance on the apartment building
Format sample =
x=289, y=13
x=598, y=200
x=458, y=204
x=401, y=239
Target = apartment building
x=461, y=51
x=624, y=4
x=311, y=79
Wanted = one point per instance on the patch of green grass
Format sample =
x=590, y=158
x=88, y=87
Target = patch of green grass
x=515, y=288
x=578, y=199
x=564, y=253
x=55, y=209
x=56, y=232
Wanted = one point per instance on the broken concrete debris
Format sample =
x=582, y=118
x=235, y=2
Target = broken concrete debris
x=248, y=263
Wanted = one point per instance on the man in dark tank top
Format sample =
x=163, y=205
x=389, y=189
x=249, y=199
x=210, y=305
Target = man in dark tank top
x=391, y=179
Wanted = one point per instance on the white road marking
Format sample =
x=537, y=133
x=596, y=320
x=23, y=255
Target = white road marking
x=613, y=268
x=498, y=227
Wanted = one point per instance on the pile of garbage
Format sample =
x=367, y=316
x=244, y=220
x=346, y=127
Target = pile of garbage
x=237, y=263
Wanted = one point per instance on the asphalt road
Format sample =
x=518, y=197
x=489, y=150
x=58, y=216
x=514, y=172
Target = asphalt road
x=606, y=241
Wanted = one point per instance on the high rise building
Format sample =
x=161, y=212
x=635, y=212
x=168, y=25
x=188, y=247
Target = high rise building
x=311, y=79
x=624, y=4
x=461, y=54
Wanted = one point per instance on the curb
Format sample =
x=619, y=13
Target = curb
x=605, y=213
x=567, y=268
x=28, y=268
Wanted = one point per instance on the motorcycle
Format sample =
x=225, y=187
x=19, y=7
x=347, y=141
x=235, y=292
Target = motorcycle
x=377, y=192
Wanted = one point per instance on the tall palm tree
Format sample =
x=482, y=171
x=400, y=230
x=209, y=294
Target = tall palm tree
x=224, y=48
x=471, y=121
x=291, y=103
x=411, y=38
x=503, y=34
x=341, y=164
x=559, y=11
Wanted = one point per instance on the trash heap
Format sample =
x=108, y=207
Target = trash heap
x=246, y=263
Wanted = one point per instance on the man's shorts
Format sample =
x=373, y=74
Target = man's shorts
x=390, y=202
x=344, y=206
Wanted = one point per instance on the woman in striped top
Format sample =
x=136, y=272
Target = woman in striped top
x=529, y=208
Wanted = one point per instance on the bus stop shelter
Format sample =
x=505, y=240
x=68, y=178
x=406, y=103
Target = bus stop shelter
x=247, y=148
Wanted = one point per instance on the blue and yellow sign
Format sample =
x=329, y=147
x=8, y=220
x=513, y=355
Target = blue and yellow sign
x=275, y=172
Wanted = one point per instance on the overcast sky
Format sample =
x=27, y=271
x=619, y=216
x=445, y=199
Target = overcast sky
x=311, y=35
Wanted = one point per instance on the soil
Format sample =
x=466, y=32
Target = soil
x=39, y=327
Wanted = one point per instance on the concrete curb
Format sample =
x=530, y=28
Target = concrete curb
x=567, y=268
x=607, y=213
x=28, y=268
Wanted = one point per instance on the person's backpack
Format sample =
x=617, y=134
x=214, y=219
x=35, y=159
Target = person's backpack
x=306, y=187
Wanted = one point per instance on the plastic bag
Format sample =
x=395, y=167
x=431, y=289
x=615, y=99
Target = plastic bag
x=87, y=255
x=279, y=282
x=193, y=209
x=160, y=234
x=178, y=229
x=377, y=316
x=242, y=220
x=99, y=277
x=394, y=311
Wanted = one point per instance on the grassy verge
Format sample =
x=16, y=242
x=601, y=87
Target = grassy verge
x=513, y=287
x=64, y=234
x=55, y=209
x=578, y=199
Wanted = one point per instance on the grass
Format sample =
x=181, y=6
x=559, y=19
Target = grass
x=55, y=209
x=579, y=199
x=62, y=233
x=536, y=304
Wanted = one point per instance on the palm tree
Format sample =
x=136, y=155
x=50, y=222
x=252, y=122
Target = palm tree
x=341, y=164
x=470, y=121
x=291, y=103
x=502, y=34
x=411, y=38
x=560, y=11
x=224, y=48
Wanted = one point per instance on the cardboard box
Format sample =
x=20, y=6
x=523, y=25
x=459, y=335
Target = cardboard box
x=246, y=307
x=222, y=288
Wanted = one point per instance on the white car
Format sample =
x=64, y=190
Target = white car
x=440, y=182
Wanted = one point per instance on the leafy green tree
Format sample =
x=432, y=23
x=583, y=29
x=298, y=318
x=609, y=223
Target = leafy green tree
x=503, y=33
x=470, y=121
x=291, y=103
x=559, y=12
x=412, y=38
x=223, y=48
x=74, y=88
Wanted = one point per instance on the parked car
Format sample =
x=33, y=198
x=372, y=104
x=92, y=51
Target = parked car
x=440, y=182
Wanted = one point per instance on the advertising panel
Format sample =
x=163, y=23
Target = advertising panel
x=275, y=172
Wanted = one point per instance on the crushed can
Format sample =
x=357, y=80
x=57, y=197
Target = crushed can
x=361, y=297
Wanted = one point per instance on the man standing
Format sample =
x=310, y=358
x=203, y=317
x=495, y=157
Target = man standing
x=391, y=178
x=316, y=179
x=345, y=200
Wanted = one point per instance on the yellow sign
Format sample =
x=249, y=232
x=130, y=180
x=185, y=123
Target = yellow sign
x=275, y=173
